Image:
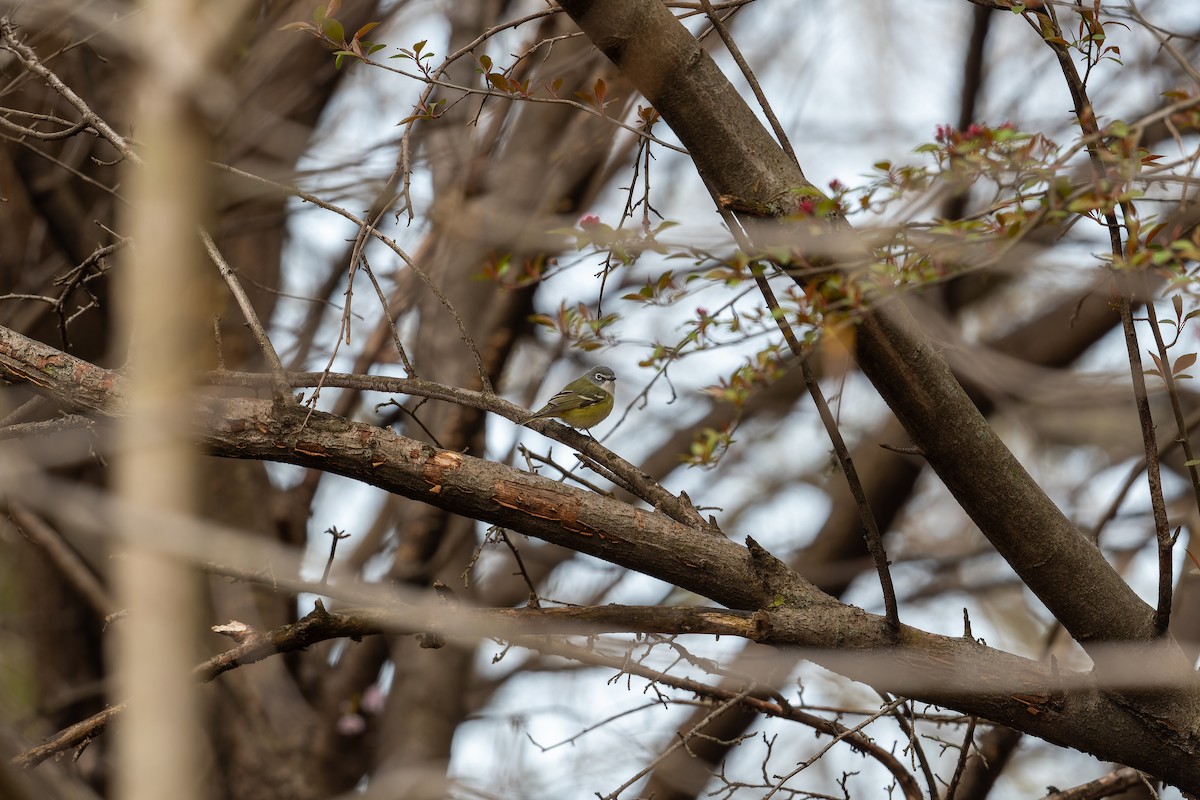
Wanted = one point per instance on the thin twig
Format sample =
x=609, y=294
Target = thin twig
x=759, y=95
x=47, y=427
x=370, y=229
x=1119, y=496
x=65, y=557
x=533, y=594
x=337, y=536
x=391, y=323
x=842, y=452
x=411, y=415
x=681, y=741
x=29, y=59
x=883, y=712
x=902, y=713
x=566, y=473
x=282, y=392
x=1041, y=18
x=963, y=753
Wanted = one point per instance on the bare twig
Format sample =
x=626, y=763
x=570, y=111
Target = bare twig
x=1119, y=496
x=335, y=537
x=566, y=473
x=533, y=595
x=681, y=741
x=79, y=733
x=29, y=59
x=1045, y=22
x=884, y=711
x=391, y=323
x=282, y=392
x=69, y=562
x=410, y=414
x=47, y=427
x=902, y=713
x=368, y=228
x=751, y=78
x=842, y=452
x=963, y=753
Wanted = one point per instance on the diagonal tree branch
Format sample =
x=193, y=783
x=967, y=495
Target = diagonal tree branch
x=81, y=386
x=1109, y=720
x=737, y=157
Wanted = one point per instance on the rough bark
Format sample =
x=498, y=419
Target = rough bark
x=737, y=156
x=1112, y=722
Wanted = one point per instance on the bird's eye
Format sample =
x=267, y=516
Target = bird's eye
x=599, y=376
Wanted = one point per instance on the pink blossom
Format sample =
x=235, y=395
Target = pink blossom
x=373, y=699
x=351, y=725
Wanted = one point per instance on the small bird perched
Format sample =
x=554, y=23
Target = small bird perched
x=583, y=402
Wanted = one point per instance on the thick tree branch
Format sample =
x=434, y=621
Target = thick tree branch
x=81, y=386
x=1062, y=707
x=737, y=157
x=1070, y=709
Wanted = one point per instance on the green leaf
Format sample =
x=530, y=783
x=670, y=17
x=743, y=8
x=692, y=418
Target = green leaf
x=334, y=30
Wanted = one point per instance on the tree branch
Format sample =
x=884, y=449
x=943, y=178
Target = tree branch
x=1107, y=719
x=736, y=156
x=1061, y=707
x=81, y=386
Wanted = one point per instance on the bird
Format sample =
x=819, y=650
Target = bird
x=583, y=402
